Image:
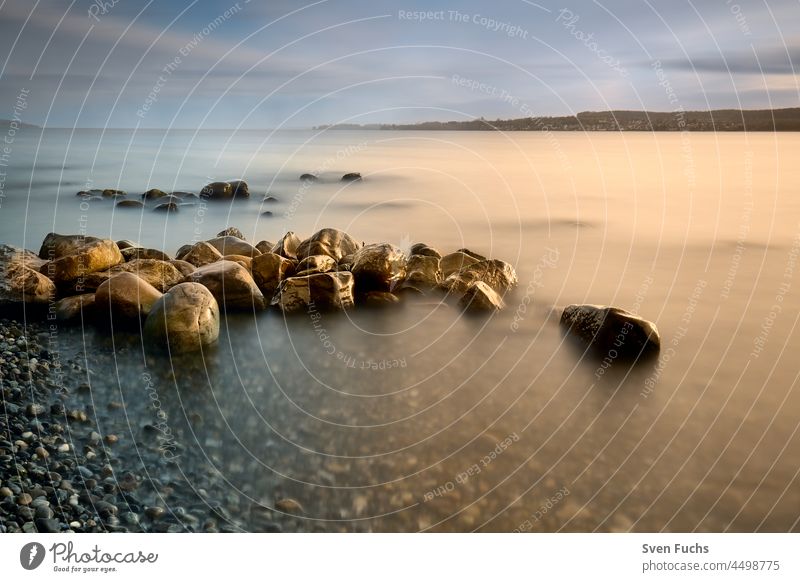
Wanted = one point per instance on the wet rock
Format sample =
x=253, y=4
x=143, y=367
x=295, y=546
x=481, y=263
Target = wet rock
x=308, y=178
x=230, y=284
x=232, y=231
x=126, y=298
x=130, y=204
x=183, y=266
x=456, y=261
x=75, y=309
x=288, y=506
x=113, y=193
x=351, y=177
x=182, y=250
x=89, y=258
x=424, y=250
x=166, y=207
x=328, y=241
x=481, y=297
x=153, y=194
x=231, y=245
x=201, y=254
x=126, y=244
x=499, y=275
x=246, y=262
x=611, y=328
x=56, y=245
x=20, y=281
x=160, y=274
x=132, y=253
x=185, y=318
x=267, y=213
x=423, y=271
x=325, y=290
x=240, y=189
x=265, y=246
x=269, y=199
x=378, y=267
x=315, y=264
x=225, y=190
x=287, y=246
x=269, y=269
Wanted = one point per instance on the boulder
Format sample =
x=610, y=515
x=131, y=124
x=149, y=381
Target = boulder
x=125, y=298
x=315, y=264
x=153, y=193
x=113, y=193
x=240, y=189
x=132, y=253
x=308, y=178
x=182, y=266
x=269, y=270
x=126, y=244
x=90, y=258
x=423, y=271
x=323, y=291
x=456, y=261
x=166, y=207
x=246, y=262
x=499, y=275
x=182, y=250
x=200, y=254
x=21, y=283
x=56, y=245
x=231, y=245
x=185, y=319
x=610, y=328
x=351, y=177
x=378, y=267
x=160, y=274
x=232, y=231
x=217, y=191
x=328, y=241
x=481, y=297
x=424, y=250
x=75, y=309
x=287, y=246
x=130, y=204
x=230, y=284
x=265, y=246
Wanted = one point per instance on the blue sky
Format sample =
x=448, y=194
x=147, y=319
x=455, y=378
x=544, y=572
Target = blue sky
x=263, y=64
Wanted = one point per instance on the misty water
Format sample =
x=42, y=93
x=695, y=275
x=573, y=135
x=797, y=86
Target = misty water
x=419, y=417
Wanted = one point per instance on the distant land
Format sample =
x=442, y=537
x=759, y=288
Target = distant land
x=715, y=120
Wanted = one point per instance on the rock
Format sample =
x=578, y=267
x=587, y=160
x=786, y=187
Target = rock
x=182, y=250
x=423, y=271
x=499, y=275
x=325, y=290
x=231, y=245
x=160, y=274
x=185, y=318
x=315, y=264
x=184, y=267
x=611, y=328
x=132, y=253
x=126, y=298
x=44, y=525
x=287, y=246
x=351, y=177
x=328, y=241
x=246, y=262
x=201, y=254
x=264, y=246
x=126, y=244
x=90, y=258
x=288, y=506
x=378, y=267
x=153, y=193
x=225, y=190
x=56, y=245
x=130, y=204
x=113, y=193
x=20, y=281
x=155, y=512
x=481, y=297
x=269, y=269
x=424, y=250
x=456, y=261
x=308, y=178
x=267, y=213
x=166, y=207
x=230, y=284
x=269, y=199
x=232, y=231
x=75, y=309
x=380, y=299
x=240, y=189
x=24, y=499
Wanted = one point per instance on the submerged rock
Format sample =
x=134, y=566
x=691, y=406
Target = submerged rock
x=113, y=193
x=611, y=328
x=308, y=178
x=153, y=193
x=166, y=207
x=328, y=241
x=378, y=267
x=351, y=177
x=231, y=285
x=323, y=291
x=185, y=318
x=130, y=204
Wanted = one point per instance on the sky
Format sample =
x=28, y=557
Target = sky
x=276, y=63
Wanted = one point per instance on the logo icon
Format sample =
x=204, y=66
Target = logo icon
x=31, y=555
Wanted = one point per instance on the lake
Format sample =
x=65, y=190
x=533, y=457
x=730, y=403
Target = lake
x=421, y=418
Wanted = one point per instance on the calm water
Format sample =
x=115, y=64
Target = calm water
x=393, y=421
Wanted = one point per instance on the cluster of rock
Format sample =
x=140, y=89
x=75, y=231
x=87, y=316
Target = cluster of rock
x=80, y=278
x=161, y=201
